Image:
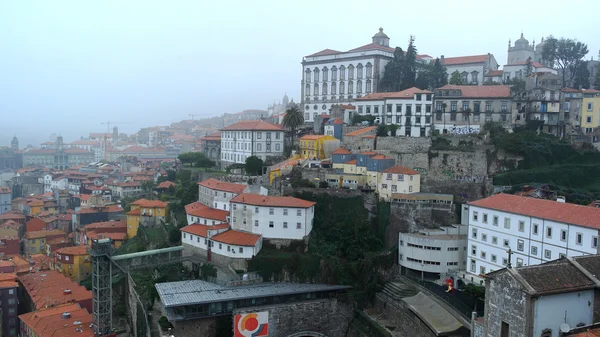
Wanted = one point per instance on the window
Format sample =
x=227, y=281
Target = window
x=519, y=262
x=410, y=188
x=241, y=250
x=298, y=212
x=485, y=217
x=563, y=235
x=474, y=233
x=495, y=240
x=507, y=223
x=271, y=225
x=534, y=250
x=594, y=242
x=474, y=250
x=590, y=106
x=579, y=239
x=483, y=255
x=483, y=237
x=401, y=177
x=504, y=261
x=506, y=243
x=394, y=188
x=234, y=221
x=285, y=225
x=520, y=245
x=277, y=147
x=398, y=108
x=488, y=106
x=255, y=223
x=271, y=211
x=298, y=225
x=473, y=265
x=475, y=216
x=495, y=220
x=255, y=210
x=465, y=105
x=494, y=258
x=504, y=107
x=549, y=232
x=11, y=291
x=389, y=176
x=588, y=119
x=547, y=254
x=220, y=246
x=285, y=211
x=535, y=229
x=521, y=226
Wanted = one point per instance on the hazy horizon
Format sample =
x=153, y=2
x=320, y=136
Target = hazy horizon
x=68, y=66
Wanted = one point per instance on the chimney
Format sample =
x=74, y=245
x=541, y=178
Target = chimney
x=67, y=292
x=442, y=59
x=66, y=315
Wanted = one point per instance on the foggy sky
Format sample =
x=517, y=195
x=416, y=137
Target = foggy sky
x=67, y=66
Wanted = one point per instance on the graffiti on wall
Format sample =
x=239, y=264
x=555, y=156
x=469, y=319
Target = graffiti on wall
x=421, y=170
x=254, y=324
x=465, y=130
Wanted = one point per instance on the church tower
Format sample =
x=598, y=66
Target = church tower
x=285, y=101
x=381, y=39
x=520, y=52
x=14, y=144
x=59, y=143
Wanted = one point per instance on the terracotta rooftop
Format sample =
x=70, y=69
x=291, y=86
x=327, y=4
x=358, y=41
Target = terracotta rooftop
x=4, y=189
x=400, y=170
x=47, y=288
x=341, y=151
x=361, y=131
x=212, y=136
x=106, y=224
x=494, y=73
x=347, y=106
x=465, y=59
x=584, y=216
x=136, y=211
x=336, y=121
x=404, y=94
x=351, y=162
x=219, y=185
x=104, y=235
x=253, y=126
x=271, y=201
x=49, y=322
x=381, y=156
x=481, y=91
x=74, y=250
x=201, y=230
x=200, y=210
x=150, y=203
x=166, y=184
x=324, y=52
x=238, y=238
x=43, y=234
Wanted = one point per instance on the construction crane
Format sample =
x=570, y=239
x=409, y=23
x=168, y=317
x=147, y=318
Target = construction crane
x=108, y=132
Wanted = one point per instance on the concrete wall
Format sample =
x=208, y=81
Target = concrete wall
x=330, y=317
x=410, y=218
x=551, y=311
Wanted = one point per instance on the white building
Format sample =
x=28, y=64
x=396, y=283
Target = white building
x=219, y=239
x=250, y=138
x=472, y=69
x=433, y=251
x=198, y=213
x=217, y=194
x=331, y=77
x=409, y=109
x=273, y=217
x=397, y=179
x=535, y=231
x=519, y=70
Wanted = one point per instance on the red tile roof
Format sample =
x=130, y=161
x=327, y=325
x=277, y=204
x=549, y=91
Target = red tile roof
x=370, y=136
x=238, y=238
x=337, y=121
x=543, y=209
x=166, y=184
x=11, y=224
x=494, y=73
x=253, y=125
x=200, y=210
x=212, y=136
x=74, y=250
x=50, y=323
x=351, y=162
x=136, y=211
x=347, y=106
x=272, y=201
x=400, y=170
x=381, y=156
x=480, y=91
x=106, y=224
x=341, y=150
x=43, y=234
x=324, y=52
x=593, y=91
x=465, y=59
x=588, y=333
x=224, y=186
x=201, y=230
x=150, y=203
x=404, y=94
x=106, y=235
x=361, y=131
x=373, y=46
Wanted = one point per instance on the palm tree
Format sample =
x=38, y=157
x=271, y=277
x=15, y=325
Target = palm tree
x=293, y=119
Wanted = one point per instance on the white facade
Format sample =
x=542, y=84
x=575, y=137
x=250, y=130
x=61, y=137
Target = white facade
x=396, y=180
x=433, y=251
x=218, y=247
x=203, y=220
x=238, y=145
x=518, y=71
x=472, y=69
x=412, y=113
x=532, y=240
x=218, y=194
x=273, y=222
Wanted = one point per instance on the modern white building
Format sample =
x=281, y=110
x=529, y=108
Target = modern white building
x=273, y=217
x=250, y=138
x=332, y=77
x=217, y=194
x=433, y=251
x=409, y=109
x=535, y=231
x=198, y=213
x=472, y=69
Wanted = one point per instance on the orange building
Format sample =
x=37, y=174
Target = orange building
x=73, y=262
x=64, y=320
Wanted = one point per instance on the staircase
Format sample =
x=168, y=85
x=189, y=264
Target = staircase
x=397, y=290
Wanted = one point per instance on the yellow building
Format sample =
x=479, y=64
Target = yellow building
x=73, y=262
x=285, y=166
x=146, y=213
x=590, y=109
x=318, y=146
x=35, y=242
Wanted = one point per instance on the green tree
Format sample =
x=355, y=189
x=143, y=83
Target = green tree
x=293, y=119
x=205, y=162
x=440, y=74
x=565, y=54
x=148, y=187
x=597, y=78
x=410, y=66
x=254, y=166
x=582, y=75
x=517, y=86
x=394, y=72
x=174, y=235
x=186, y=158
x=455, y=78
x=528, y=67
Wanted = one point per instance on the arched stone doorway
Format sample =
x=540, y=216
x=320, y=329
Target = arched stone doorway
x=307, y=334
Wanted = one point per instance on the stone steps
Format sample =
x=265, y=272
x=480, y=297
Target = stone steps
x=398, y=290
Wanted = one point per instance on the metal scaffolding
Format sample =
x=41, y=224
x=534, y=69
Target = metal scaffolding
x=101, y=286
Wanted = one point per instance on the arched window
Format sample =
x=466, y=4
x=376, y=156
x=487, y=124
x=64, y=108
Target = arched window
x=316, y=71
x=342, y=88
x=342, y=74
x=316, y=89
x=324, y=88
x=368, y=91
x=307, y=90
x=474, y=77
x=350, y=72
x=369, y=70
x=333, y=87
x=350, y=87
x=325, y=74
x=334, y=73
x=359, y=86
x=307, y=76
x=359, y=72
x=464, y=77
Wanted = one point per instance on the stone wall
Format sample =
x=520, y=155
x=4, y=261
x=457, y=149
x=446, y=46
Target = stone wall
x=358, y=143
x=505, y=302
x=402, y=317
x=409, y=218
x=330, y=317
x=194, y=328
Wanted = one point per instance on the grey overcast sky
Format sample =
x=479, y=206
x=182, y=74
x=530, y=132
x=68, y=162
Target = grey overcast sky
x=66, y=66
